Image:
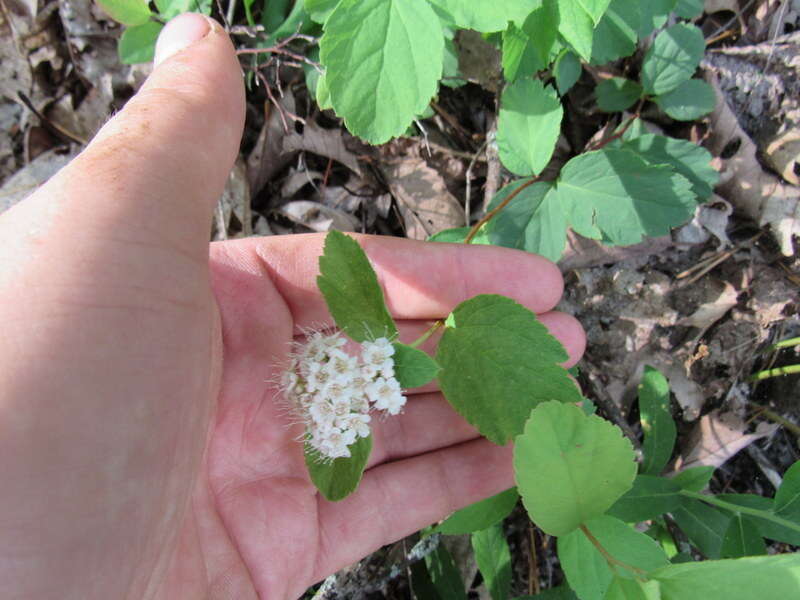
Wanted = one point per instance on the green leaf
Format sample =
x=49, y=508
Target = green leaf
x=169, y=9
x=617, y=94
x=576, y=26
x=616, y=35
x=654, y=15
x=527, y=49
x=632, y=589
x=649, y=497
x=138, y=43
x=769, y=529
x=787, y=498
x=445, y=575
x=498, y=362
x=485, y=16
x=570, y=467
x=451, y=72
x=689, y=101
x=494, y=560
x=608, y=194
x=323, y=94
x=656, y=419
x=338, y=478
x=672, y=59
x=694, y=479
x=480, y=515
x=688, y=159
x=412, y=367
x=532, y=221
x=742, y=538
x=738, y=579
x=704, y=525
x=351, y=290
x=383, y=61
x=528, y=127
x=588, y=572
x=320, y=10
x=689, y=9
x=562, y=592
x=127, y=12
x=311, y=72
x=567, y=69
x=594, y=8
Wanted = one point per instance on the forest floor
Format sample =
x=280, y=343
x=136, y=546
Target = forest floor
x=703, y=305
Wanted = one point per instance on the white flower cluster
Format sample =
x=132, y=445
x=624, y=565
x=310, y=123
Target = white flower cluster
x=334, y=392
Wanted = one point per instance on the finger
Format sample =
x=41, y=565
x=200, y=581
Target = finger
x=153, y=173
x=427, y=423
x=399, y=498
x=420, y=280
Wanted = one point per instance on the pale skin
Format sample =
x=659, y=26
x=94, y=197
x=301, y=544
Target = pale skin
x=144, y=451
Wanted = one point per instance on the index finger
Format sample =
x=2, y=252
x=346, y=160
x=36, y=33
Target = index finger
x=420, y=280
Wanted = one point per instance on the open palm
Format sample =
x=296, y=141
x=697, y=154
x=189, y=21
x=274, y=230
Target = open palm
x=281, y=535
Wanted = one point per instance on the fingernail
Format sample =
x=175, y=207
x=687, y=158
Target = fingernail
x=179, y=33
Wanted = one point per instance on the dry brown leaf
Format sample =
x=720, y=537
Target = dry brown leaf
x=425, y=203
x=760, y=195
x=267, y=158
x=324, y=142
x=718, y=437
x=709, y=219
x=783, y=154
x=235, y=202
x=724, y=298
x=318, y=217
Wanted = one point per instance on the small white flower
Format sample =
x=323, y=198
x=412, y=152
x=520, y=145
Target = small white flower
x=386, y=395
x=322, y=412
x=357, y=423
x=377, y=352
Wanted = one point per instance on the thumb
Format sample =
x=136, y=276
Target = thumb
x=157, y=168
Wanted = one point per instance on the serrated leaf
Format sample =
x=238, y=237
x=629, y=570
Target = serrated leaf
x=338, y=478
x=672, y=59
x=532, y=221
x=379, y=54
x=737, y=579
x=742, y=538
x=172, y=8
x=656, y=419
x=617, y=94
x=498, y=362
x=787, y=498
x=351, y=290
x=608, y=194
x=694, y=479
x=480, y=515
x=689, y=101
x=689, y=9
x=412, y=367
x=576, y=26
x=127, y=12
x=616, y=35
x=704, y=525
x=567, y=69
x=769, y=529
x=138, y=44
x=649, y=497
x=654, y=15
x=528, y=126
x=494, y=560
x=688, y=159
x=570, y=467
x=588, y=572
x=485, y=16
x=320, y=10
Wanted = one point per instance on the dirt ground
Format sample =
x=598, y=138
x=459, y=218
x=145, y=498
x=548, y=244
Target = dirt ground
x=703, y=305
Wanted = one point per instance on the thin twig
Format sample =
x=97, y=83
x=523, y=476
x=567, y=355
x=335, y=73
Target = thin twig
x=468, y=176
x=490, y=215
x=48, y=124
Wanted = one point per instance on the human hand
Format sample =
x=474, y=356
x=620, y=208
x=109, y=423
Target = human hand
x=144, y=451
